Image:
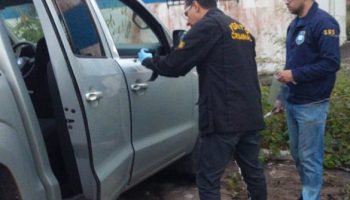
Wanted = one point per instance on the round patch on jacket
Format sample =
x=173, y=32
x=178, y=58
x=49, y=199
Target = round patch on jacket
x=300, y=38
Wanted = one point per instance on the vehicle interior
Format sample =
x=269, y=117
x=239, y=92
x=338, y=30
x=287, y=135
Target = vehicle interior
x=30, y=49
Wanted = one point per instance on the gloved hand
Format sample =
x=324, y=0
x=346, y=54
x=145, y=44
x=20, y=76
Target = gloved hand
x=143, y=55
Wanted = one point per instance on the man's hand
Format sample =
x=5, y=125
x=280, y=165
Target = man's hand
x=278, y=107
x=285, y=76
x=142, y=55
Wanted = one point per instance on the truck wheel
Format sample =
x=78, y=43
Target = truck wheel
x=187, y=164
x=8, y=187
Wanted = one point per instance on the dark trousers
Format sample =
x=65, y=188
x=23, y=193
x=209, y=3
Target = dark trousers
x=214, y=153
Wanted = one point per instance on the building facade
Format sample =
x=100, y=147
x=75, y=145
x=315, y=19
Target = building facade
x=267, y=20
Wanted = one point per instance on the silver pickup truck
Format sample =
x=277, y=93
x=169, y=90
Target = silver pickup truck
x=80, y=117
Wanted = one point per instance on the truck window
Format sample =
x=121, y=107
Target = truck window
x=129, y=31
x=80, y=28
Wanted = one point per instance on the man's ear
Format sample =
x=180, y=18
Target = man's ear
x=196, y=6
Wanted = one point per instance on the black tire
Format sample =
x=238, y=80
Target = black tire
x=187, y=164
x=8, y=186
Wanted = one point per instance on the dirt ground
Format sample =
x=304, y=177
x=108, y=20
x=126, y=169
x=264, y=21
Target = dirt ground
x=282, y=179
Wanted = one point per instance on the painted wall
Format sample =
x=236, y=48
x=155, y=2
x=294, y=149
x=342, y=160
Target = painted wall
x=267, y=20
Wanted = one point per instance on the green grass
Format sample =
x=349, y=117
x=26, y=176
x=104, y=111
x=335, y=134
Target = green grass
x=337, y=137
x=348, y=21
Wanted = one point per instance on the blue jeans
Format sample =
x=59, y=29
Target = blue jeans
x=306, y=127
x=214, y=153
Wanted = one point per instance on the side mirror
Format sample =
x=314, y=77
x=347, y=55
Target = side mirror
x=177, y=36
x=139, y=22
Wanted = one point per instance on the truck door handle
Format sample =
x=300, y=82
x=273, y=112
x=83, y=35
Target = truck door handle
x=93, y=96
x=139, y=86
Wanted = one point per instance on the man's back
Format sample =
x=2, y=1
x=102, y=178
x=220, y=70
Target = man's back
x=228, y=77
x=230, y=111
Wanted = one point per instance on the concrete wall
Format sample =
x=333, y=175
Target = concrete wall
x=267, y=20
x=337, y=8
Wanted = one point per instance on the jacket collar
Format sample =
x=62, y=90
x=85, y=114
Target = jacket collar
x=213, y=10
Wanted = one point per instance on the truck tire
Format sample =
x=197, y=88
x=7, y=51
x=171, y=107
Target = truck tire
x=8, y=186
x=187, y=164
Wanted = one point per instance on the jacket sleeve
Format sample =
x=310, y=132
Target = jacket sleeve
x=192, y=50
x=327, y=36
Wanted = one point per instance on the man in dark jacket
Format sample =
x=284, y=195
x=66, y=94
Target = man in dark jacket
x=313, y=58
x=230, y=111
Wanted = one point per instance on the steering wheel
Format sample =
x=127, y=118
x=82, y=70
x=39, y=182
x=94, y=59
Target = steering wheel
x=22, y=45
x=25, y=63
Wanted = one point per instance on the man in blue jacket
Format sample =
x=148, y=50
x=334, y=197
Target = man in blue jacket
x=313, y=58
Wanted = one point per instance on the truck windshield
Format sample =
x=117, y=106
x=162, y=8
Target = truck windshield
x=22, y=23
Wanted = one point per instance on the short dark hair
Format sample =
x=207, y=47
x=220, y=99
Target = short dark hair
x=204, y=3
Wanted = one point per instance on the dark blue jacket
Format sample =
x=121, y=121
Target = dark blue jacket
x=313, y=55
x=224, y=53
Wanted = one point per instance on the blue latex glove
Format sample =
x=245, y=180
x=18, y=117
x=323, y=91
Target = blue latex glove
x=143, y=55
